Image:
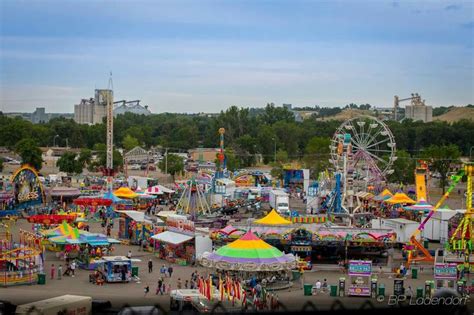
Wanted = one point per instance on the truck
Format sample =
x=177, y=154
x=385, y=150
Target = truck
x=64, y=304
x=280, y=201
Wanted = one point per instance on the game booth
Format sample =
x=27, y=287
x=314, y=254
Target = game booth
x=135, y=226
x=445, y=275
x=360, y=272
x=181, y=243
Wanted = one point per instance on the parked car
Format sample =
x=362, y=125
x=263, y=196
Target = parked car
x=135, y=167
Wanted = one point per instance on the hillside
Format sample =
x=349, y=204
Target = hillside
x=348, y=113
x=457, y=113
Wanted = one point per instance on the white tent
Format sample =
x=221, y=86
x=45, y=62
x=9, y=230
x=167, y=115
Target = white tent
x=159, y=190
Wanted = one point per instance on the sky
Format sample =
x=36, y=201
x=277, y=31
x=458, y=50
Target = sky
x=205, y=56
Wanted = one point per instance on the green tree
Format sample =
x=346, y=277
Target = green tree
x=282, y=156
x=129, y=142
x=231, y=162
x=85, y=157
x=101, y=161
x=69, y=163
x=317, y=154
x=30, y=153
x=404, y=169
x=1, y=165
x=441, y=158
x=172, y=164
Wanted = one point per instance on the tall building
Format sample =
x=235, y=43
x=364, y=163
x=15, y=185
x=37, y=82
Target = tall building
x=92, y=111
x=418, y=110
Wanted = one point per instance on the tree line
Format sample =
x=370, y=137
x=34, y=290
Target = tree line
x=270, y=133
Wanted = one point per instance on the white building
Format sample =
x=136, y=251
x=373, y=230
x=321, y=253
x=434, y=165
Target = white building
x=403, y=227
x=418, y=110
x=133, y=107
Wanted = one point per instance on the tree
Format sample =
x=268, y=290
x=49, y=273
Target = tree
x=30, y=153
x=282, y=156
x=404, y=169
x=172, y=164
x=101, y=162
x=441, y=158
x=317, y=154
x=85, y=157
x=129, y=142
x=231, y=162
x=69, y=163
x=1, y=165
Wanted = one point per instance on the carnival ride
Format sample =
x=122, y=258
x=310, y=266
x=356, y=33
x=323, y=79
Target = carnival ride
x=462, y=239
x=415, y=250
x=193, y=200
x=21, y=263
x=362, y=148
x=421, y=172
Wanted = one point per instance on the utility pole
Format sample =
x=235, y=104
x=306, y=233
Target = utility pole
x=166, y=161
x=67, y=143
x=275, y=150
x=110, y=134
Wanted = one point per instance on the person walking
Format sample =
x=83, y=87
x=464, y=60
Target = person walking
x=186, y=284
x=60, y=271
x=129, y=254
x=159, y=289
x=73, y=268
x=163, y=271
x=170, y=270
x=53, y=271
x=147, y=289
x=179, y=284
x=150, y=266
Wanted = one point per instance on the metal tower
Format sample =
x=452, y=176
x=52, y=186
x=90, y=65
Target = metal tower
x=110, y=134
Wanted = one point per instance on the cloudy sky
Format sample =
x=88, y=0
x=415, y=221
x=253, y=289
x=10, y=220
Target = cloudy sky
x=194, y=56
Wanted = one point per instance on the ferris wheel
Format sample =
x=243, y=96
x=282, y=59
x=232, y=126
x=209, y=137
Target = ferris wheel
x=372, y=149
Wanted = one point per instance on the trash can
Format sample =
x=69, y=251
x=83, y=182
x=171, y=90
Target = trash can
x=333, y=291
x=426, y=244
x=296, y=275
x=414, y=273
x=308, y=289
x=135, y=271
x=419, y=292
x=382, y=289
x=41, y=278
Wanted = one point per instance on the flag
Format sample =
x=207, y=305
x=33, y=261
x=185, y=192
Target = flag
x=221, y=289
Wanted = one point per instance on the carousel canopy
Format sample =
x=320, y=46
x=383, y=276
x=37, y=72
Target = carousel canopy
x=249, y=253
x=421, y=205
x=273, y=218
x=399, y=198
x=125, y=192
x=93, y=201
x=63, y=229
x=64, y=192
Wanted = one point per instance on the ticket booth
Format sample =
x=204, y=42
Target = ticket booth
x=445, y=275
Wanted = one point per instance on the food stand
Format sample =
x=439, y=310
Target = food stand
x=177, y=244
x=117, y=268
x=360, y=272
x=445, y=275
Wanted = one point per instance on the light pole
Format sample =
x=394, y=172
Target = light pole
x=67, y=143
x=275, y=150
x=54, y=140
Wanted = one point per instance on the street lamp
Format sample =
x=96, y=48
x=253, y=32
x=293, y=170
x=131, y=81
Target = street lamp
x=54, y=140
x=67, y=142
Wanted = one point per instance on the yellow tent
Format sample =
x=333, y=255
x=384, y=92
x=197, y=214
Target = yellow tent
x=400, y=198
x=386, y=192
x=125, y=192
x=273, y=218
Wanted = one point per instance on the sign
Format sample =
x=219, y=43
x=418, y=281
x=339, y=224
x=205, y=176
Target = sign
x=180, y=224
x=398, y=288
x=360, y=268
x=301, y=248
x=445, y=271
x=27, y=187
x=359, y=291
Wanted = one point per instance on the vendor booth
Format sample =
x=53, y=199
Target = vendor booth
x=117, y=268
x=182, y=242
x=360, y=272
